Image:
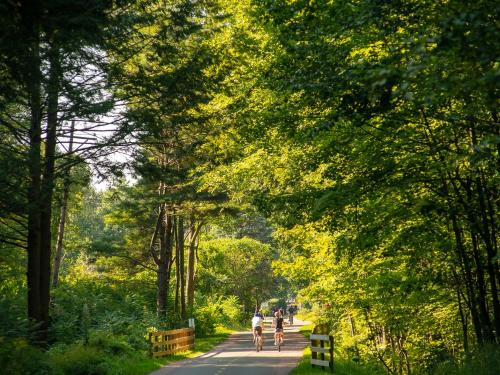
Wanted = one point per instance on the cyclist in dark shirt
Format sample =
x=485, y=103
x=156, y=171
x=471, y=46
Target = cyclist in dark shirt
x=278, y=325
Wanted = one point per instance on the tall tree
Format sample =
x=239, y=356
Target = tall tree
x=51, y=54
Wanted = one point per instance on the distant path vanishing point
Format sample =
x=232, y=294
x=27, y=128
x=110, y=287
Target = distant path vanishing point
x=237, y=356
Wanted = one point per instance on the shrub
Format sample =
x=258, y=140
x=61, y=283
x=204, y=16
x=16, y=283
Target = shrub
x=78, y=359
x=17, y=357
x=206, y=318
x=231, y=310
x=109, y=344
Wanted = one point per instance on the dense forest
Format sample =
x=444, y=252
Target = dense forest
x=344, y=154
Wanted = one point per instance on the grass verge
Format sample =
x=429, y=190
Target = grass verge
x=342, y=366
x=141, y=364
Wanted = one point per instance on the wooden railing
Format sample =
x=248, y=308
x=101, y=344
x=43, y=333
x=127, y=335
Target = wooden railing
x=315, y=349
x=163, y=343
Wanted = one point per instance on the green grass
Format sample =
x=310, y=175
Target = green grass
x=306, y=329
x=342, y=366
x=141, y=364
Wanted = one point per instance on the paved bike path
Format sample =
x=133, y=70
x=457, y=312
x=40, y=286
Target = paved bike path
x=237, y=356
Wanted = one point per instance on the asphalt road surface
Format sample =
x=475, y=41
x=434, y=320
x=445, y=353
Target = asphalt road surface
x=237, y=356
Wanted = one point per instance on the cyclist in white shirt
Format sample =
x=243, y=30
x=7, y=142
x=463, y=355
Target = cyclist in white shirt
x=257, y=324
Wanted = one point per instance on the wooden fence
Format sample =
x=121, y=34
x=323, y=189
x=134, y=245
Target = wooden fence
x=322, y=350
x=163, y=343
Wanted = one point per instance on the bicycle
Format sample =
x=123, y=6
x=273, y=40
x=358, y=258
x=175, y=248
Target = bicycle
x=279, y=343
x=258, y=342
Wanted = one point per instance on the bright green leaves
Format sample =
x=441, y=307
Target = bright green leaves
x=240, y=267
x=361, y=141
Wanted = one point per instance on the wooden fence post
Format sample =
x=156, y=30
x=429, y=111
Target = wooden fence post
x=322, y=350
x=331, y=353
x=314, y=355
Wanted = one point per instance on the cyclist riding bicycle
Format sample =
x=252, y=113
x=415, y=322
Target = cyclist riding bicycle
x=278, y=327
x=257, y=324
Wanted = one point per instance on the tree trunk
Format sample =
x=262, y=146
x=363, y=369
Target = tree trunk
x=469, y=283
x=180, y=242
x=177, y=270
x=463, y=320
x=491, y=252
x=62, y=219
x=161, y=294
x=190, y=276
x=481, y=296
x=164, y=266
x=191, y=266
x=489, y=241
x=31, y=24
x=352, y=326
x=47, y=187
x=463, y=256
x=494, y=227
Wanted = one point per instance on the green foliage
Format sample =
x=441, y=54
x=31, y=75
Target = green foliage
x=231, y=309
x=206, y=319
x=342, y=367
x=224, y=261
x=373, y=166
x=345, y=153
x=109, y=344
x=217, y=311
x=110, y=355
x=12, y=292
x=79, y=360
x=485, y=361
x=18, y=357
